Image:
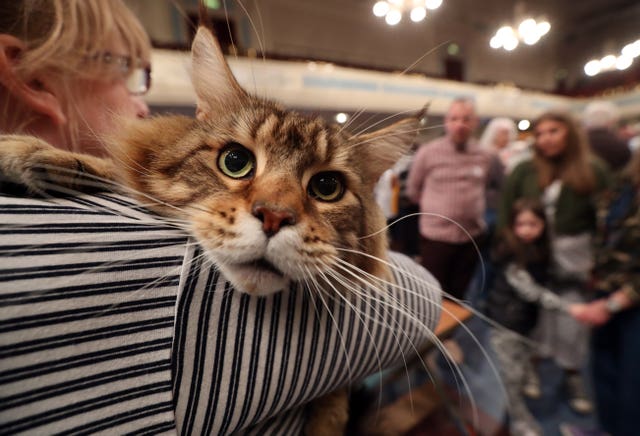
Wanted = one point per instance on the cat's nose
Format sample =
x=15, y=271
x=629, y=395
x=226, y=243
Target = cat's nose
x=273, y=218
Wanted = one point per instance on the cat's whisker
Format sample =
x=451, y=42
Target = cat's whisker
x=77, y=177
x=422, y=281
x=451, y=221
x=351, y=120
x=379, y=319
x=229, y=32
x=363, y=316
x=350, y=286
x=201, y=257
x=130, y=164
x=379, y=290
x=342, y=342
x=396, y=305
x=429, y=52
x=420, y=129
x=338, y=330
x=253, y=26
x=395, y=134
x=261, y=37
x=180, y=224
x=465, y=328
x=382, y=121
x=103, y=183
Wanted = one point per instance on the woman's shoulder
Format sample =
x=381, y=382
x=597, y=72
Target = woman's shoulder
x=524, y=166
x=523, y=170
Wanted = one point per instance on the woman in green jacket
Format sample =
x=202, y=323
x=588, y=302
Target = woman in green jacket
x=567, y=178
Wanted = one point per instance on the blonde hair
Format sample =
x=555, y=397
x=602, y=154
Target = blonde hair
x=574, y=166
x=62, y=35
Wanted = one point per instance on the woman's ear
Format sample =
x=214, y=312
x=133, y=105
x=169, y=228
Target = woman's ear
x=33, y=92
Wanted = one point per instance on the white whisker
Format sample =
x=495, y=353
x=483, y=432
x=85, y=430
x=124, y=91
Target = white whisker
x=395, y=304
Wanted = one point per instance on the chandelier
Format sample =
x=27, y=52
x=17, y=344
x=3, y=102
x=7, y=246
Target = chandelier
x=612, y=62
x=528, y=31
x=393, y=10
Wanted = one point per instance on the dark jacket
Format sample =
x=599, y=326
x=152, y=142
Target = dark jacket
x=575, y=213
x=506, y=306
x=610, y=148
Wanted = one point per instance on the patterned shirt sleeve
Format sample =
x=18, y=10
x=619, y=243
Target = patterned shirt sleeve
x=617, y=243
x=529, y=290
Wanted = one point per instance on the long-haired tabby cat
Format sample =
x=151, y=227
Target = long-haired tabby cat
x=273, y=196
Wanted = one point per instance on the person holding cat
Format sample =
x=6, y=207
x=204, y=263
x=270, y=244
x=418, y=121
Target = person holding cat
x=448, y=179
x=51, y=86
x=115, y=319
x=567, y=179
x=521, y=257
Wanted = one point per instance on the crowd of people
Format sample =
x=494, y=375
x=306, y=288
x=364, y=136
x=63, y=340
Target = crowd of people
x=556, y=231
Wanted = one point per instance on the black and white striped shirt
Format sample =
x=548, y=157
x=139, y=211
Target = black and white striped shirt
x=111, y=320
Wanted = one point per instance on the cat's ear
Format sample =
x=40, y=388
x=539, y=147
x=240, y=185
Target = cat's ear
x=213, y=81
x=384, y=147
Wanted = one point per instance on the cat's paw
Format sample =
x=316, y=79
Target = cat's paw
x=328, y=415
x=38, y=166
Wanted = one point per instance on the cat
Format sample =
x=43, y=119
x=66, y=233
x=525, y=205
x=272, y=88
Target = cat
x=271, y=195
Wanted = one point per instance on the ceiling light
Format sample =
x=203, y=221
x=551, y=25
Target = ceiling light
x=433, y=4
x=631, y=50
x=623, y=62
x=592, y=67
x=529, y=31
x=543, y=27
x=380, y=9
x=524, y=125
x=495, y=42
x=341, y=117
x=418, y=14
x=393, y=10
x=608, y=62
x=393, y=17
x=611, y=62
x=510, y=44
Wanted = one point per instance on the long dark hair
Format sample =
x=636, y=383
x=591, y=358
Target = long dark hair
x=510, y=247
x=574, y=166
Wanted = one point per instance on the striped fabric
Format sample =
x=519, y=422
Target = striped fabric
x=113, y=321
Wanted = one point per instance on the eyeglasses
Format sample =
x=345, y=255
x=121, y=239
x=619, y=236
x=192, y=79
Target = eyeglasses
x=137, y=78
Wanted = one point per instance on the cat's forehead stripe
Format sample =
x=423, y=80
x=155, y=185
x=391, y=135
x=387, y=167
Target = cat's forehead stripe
x=265, y=129
x=320, y=139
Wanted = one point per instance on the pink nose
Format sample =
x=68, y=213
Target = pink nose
x=273, y=219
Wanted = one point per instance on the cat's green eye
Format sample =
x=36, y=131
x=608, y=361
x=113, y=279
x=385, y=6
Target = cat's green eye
x=236, y=161
x=327, y=186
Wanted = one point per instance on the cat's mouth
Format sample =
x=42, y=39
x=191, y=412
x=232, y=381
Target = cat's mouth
x=263, y=264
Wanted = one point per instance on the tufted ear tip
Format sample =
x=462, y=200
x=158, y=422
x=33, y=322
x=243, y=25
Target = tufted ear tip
x=213, y=81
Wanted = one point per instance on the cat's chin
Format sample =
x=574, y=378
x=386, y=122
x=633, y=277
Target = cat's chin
x=255, y=280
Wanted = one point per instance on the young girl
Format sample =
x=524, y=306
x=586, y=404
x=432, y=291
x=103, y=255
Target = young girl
x=521, y=256
x=565, y=176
